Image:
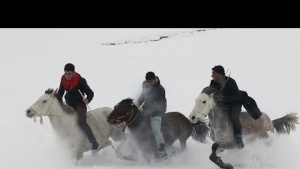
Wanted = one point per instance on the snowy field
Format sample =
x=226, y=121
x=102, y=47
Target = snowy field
x=264, y=62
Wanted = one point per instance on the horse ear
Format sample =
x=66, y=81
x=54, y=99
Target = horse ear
x=49, y=91
x=53, y=94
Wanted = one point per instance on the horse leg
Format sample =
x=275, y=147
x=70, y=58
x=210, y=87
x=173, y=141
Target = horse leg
x=119, y=148
x=182, y=145
x=217, y=160
x=126, y=140
x=147, y=156
x=268, y=140
x=157, y=157
x=76, y=153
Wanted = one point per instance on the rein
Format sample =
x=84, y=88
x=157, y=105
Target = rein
x=131, y=113
x=200, y=112
x=47, y=114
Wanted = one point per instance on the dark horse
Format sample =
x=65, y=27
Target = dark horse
x=174, y=126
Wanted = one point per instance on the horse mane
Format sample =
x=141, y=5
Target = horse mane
x=130, y=101
x=209, y=90
x=65, y=107
x=49, y=91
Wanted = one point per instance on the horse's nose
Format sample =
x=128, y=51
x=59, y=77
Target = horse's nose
x=28, y=113
x=193, y=119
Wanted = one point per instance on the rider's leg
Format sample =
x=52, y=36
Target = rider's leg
x=81, y=110
x=234, y=115
x=156, y=126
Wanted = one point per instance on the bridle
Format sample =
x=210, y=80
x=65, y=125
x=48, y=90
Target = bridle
x=209, y=110
x=47, y=114
x=200, y=112
x=130, y=119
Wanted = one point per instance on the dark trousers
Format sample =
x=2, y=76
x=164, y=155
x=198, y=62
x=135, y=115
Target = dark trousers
x=234, y=115
x=81, y=110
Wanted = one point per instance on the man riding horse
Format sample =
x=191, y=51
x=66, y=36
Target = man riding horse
x=230, y=97
x=155, y=104
x=70, y=83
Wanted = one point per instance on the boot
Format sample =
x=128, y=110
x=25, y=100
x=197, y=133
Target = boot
x=162, y=151
x=95, y=145
x=238, y=141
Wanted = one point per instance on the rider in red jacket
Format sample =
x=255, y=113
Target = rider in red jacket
x=70, y=82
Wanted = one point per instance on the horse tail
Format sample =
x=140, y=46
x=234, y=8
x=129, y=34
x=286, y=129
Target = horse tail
x=200, y=131
x=286, y=123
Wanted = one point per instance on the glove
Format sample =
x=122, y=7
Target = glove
x=139, y=108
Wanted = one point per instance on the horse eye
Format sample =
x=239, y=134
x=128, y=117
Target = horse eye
x=204, y=101
x=44, y=101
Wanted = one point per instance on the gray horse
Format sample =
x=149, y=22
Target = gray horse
x=64, y=121
x=221, y=127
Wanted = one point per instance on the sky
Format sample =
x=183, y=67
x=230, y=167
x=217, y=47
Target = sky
x=264, y=62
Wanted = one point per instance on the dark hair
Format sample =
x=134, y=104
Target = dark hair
x=219, y=69
x=150, y=76
x=69, y=67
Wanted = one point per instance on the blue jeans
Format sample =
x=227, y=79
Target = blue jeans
x=156, y=126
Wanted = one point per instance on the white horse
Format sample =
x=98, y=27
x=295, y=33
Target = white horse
x=64, y=121
x=221, y=127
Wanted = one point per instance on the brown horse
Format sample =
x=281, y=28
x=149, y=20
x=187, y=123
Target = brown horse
x=174, y=126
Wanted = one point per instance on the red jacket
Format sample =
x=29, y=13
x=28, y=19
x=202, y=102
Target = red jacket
x=73, y=97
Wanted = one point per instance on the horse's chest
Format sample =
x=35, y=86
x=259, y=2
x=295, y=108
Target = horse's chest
x=220, y=124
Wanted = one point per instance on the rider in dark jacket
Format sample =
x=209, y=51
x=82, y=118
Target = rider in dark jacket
x=154, y=104
x=154, y=99
x=231, y=97
x=71, y=82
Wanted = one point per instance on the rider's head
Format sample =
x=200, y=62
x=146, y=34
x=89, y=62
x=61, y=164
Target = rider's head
x=217, y=72
x=69, y=71
x=150, y=78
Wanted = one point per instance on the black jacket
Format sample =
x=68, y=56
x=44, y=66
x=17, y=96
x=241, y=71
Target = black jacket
x=250, y=105
x=231, y=93
x=154, y=99
x=73, y=97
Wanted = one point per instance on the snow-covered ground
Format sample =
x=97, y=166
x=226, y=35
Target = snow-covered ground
x=264, y=62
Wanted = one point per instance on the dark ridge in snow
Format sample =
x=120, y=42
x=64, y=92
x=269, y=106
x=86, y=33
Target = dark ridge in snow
x=156, y=38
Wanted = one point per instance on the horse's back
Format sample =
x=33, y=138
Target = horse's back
x=222, y=130
x=257, y=127
x=177, y=117
x=97, y=119
x=104, y=110
x=100, y=114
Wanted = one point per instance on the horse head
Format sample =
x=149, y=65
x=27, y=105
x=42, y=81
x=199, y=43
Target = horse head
x=43, y=106
x=123, y=112
x=204, y=104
